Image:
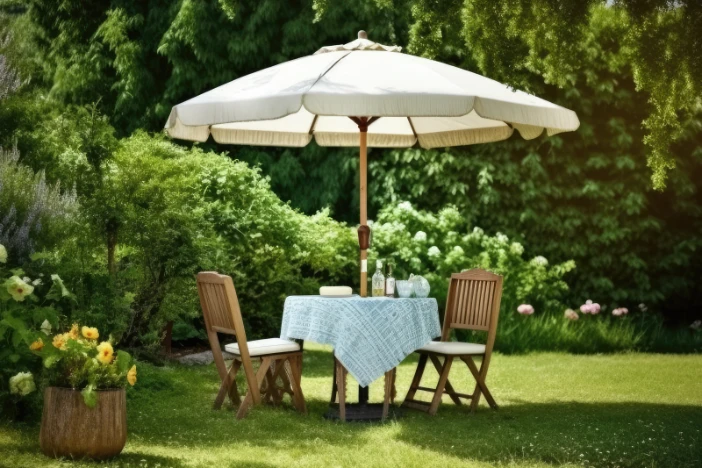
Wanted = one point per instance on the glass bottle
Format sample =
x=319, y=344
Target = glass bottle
x=389, y=283
x=378, y=282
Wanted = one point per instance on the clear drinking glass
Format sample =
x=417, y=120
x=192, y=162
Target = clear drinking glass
x=420, y=286
x=404, y=288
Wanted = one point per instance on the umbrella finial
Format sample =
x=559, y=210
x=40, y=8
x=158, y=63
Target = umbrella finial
x=362, y=34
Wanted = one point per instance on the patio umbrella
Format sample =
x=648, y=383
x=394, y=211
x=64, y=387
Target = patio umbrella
x=366, y=94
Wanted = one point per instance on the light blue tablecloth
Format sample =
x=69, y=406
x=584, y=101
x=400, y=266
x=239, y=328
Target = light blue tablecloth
x=370, y=336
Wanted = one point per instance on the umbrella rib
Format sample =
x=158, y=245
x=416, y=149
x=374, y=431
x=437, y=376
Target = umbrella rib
x=322, y=75
x=409, y=119
x=414, y=132
x=314, y=122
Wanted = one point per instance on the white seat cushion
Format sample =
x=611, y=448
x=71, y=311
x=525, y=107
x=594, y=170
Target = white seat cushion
x=264, y=347
x=454, y=348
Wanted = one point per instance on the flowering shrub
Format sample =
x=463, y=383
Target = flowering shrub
x=32, y=211
x=78, y=359
x=570, y=314
x=590, y=308
x=29, y=310
x=437, y=245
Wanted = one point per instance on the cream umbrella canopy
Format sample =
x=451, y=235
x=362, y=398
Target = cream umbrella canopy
x=366, y=94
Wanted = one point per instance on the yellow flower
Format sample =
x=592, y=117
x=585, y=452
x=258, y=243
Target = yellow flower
x=3, y=254
x=90, y=333
x=18, y=289
x=37, y=345
x=131, y=376
x=60, y=341
x=105, y=352
x=73, y=334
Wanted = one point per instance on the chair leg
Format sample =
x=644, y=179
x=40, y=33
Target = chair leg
x=268, y=387
x=278, y=369
x=480, y=387
x=341, y=387
x=449, y=388
x=440, y=386
x=229, y=387
x=389, y=381
x=421, y=365
x=285, y=370
x=254, y=388
x=297, y=395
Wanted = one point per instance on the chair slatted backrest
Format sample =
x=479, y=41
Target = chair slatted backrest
x=473, y=302
x=220, y=308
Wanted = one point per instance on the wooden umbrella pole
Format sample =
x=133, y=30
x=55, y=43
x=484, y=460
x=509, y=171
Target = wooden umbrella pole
x=363, y=200
x=363, y=229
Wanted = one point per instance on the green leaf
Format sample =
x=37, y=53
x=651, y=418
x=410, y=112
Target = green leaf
x=58, y=289
x=124, y=361
x=90, y=396
x=50, y=360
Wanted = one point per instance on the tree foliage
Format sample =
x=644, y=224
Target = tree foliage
x=137, y=59
x=521, y=42
x=584, y=196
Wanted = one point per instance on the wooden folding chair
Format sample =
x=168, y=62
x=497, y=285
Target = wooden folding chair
x=279, y=359
x=473, y=303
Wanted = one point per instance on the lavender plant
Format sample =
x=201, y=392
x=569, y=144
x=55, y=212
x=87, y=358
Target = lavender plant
x=9, y=78
x=32, y=211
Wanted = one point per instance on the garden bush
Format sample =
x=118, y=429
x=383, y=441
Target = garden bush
x=536, y=312
x=178, y=211
x=437, y=245
x=32, y=304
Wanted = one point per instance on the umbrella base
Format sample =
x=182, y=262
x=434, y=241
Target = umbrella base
x=363, y=412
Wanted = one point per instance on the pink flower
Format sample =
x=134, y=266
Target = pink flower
x=620, y=311
x=590, y=308
x=570, y=314
x=525, y=309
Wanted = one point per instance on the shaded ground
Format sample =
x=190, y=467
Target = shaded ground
x=556, y=410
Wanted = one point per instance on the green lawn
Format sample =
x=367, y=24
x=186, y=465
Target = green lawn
x=556, y=409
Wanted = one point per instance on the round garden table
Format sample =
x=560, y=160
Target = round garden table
x=370, y=336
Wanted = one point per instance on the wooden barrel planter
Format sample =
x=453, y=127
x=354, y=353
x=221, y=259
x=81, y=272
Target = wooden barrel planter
x=69, y=428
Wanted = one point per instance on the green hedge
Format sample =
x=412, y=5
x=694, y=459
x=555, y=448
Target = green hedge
x=180, y=211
